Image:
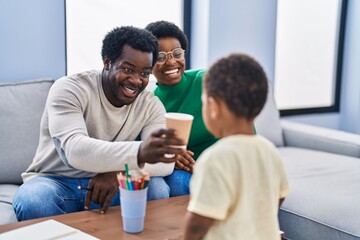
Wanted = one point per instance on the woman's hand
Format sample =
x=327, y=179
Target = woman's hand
x=185, y=161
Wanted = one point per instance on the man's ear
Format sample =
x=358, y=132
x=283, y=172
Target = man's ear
x=107, y=63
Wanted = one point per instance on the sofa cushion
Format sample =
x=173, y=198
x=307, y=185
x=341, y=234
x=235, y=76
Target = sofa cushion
x=21, y=108
x=7, y=192
x=267, y=123
x=324, y=198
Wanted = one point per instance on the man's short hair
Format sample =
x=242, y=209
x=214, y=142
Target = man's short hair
x=139, y=39
x=240, y=82
x=162, y=29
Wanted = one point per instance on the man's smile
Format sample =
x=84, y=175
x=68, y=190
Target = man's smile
x=129, y=91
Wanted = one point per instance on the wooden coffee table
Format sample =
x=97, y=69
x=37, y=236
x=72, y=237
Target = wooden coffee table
x=164, y=219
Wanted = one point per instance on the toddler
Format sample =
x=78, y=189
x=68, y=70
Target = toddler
x=239, y=182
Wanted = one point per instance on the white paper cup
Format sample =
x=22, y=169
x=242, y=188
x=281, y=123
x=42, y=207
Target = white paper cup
x=133, y=209
x=182, y=123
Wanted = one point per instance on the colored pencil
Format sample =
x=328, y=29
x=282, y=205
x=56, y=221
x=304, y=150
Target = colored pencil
x=133, y=180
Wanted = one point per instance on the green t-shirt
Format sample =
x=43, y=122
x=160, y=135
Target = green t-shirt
x=185, y=97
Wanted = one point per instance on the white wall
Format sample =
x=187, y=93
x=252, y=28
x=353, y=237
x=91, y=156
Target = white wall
x=249, y=26
x=200, y=34
x=350, y=94
x=246, y=26
x=32, y=39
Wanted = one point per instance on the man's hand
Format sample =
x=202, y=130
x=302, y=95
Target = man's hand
x=153, y=149
x=185, y=161
x=103, y=188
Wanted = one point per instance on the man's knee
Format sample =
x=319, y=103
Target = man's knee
x=178, y=182
x=158, y=189
x=34, y=201
x=27, y=203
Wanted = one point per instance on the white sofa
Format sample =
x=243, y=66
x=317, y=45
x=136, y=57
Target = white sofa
x=21, y=108
x=323, y=167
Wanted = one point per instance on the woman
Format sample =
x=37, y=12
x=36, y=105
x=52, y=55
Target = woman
x=180, y=91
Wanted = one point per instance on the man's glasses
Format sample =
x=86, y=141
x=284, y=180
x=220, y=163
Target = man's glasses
x=177, y=53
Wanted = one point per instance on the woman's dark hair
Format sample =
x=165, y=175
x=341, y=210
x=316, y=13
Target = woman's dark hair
x=139, y=39
x=162, y=29
x=240, y=82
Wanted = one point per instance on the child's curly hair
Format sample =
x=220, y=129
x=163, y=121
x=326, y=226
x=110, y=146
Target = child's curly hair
x=240, y=82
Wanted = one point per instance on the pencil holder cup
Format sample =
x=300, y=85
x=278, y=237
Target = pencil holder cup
x=133, y=209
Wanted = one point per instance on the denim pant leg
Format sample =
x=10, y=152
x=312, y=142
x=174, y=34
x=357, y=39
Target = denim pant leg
x=157, y=189
x=178, y=182
x=45, y=196
x=49, y=196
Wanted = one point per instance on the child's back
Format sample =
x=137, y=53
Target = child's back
x=238, y=181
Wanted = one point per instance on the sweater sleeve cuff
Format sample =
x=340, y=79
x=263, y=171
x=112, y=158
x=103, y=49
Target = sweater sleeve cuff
x=155, y=170
x=133, y=160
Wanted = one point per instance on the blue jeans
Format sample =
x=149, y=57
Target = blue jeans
x=178, y=182
x=49, y=196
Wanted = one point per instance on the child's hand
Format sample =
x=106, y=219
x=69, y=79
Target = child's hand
x=185, y=161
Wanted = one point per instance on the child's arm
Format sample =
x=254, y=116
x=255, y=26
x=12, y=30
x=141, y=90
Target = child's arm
x=281, y=201
x=196, y=226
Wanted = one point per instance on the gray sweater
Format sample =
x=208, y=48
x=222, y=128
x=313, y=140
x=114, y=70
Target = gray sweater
x=82, y=133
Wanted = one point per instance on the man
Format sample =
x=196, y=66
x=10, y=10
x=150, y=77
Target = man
x=88, y=132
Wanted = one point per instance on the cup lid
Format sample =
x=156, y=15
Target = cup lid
x=179, y=116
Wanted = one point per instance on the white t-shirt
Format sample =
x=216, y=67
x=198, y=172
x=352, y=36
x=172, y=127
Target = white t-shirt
x=238, y=182
x=82, y=133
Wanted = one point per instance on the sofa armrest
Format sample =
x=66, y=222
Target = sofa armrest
x=319, y=138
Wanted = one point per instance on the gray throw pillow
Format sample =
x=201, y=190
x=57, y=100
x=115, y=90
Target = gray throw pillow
x=21, y=107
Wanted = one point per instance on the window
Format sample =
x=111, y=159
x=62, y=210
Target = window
x=308, y=55
x=88, y=21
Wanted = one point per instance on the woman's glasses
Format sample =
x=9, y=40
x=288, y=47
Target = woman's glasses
x=177, y=53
